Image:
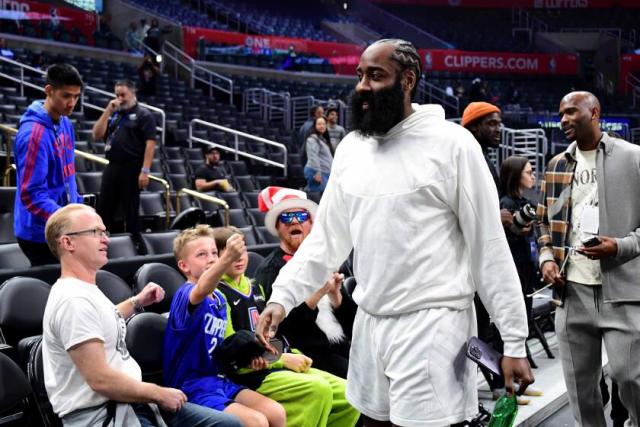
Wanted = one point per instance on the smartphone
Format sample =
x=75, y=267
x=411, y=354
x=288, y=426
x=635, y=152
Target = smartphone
x=590, y=242
x=484, y=355
x=278, y=345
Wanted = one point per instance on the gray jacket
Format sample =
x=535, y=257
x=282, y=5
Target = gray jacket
x=618, y=172
x=319, y=157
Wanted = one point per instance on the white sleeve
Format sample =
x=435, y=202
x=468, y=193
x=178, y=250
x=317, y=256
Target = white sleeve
x=492, y=267
x=322, y=252
x=77, y=320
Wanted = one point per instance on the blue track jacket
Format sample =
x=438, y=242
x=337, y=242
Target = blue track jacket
x=46, y=175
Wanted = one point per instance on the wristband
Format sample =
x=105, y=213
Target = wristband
x=145, y=171
x=137, y=307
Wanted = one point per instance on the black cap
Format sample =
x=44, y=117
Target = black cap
x=209, y=148
x=238, y=350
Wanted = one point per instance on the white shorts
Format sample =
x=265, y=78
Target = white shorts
x=411, y=369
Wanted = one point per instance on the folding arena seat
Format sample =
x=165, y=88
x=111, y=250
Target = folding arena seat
x=89, y=182
x=251, y=198
x=152, y=208
x=156, y=166
x=31, y=348
x=237, y=218
x=256, y=216
x=145, y=338
x=255, y=260
x=167, y=277
x=176, y=166
x=121, y=246
x=265, y=237
x=22, y=303
x=233, y=199
x=238, y=168
x=7, y=199
x=14, y=392
x=179, y=181
x=249, y=236
x=158, y=243
x=11, y=256
x=263, y=181
x=245, y=183
x=113, y=287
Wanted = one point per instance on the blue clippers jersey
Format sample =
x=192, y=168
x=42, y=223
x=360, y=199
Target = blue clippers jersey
x=191, y=338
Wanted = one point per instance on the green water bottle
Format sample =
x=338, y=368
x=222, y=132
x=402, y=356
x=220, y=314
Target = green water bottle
x=505, y=411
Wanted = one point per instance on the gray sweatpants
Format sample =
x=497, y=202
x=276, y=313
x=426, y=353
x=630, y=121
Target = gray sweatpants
x=581, y=325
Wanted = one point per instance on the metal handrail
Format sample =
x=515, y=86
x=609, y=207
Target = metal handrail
x=5, y=179
x=86, y=88
x=183, y=60
x=206, y=197
x=164, y=182
x=12, y=132
x=430, y=92
x=235, y=150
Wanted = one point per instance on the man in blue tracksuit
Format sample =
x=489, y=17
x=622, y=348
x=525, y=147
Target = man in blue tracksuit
x=44, y=156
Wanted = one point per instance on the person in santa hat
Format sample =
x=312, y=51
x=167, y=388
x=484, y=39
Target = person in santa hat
x=321, y=326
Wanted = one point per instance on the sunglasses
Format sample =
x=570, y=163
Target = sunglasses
x=287, y=217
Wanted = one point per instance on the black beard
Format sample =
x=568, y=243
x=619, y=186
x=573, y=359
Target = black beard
x=386, y=109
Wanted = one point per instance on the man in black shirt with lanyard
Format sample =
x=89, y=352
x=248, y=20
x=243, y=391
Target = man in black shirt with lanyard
x=130, y=133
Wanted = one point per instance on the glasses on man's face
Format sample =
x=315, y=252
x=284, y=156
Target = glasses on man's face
x=93, y=232
x=287, y=217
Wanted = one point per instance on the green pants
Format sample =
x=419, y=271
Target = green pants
x=312, y=399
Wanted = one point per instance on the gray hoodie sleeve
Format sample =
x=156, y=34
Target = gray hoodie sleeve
x=313, y=153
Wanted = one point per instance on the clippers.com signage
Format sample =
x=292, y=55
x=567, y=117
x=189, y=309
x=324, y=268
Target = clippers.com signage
x=499, y=62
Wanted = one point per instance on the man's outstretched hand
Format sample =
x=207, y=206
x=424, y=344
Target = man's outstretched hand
x=516, y=370
x=270, y=318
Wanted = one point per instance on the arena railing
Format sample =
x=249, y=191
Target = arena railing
x=632, y=84
x=9, y=166
x=236, y=151
x=196, y=73
x=428, y=93
x=205, y=197
x=271, y=106
x=23, y=82
x=163, y=182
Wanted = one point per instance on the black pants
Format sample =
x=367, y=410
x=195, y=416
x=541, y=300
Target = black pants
x=488, y=333
x=38, y=253
x=119, y=191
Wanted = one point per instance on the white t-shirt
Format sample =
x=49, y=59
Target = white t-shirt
x=77, y=312
x=584, y=192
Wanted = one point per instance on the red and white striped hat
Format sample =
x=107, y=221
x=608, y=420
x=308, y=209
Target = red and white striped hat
x=275, y=200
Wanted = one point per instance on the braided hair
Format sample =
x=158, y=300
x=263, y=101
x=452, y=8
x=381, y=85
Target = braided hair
x=406, y=55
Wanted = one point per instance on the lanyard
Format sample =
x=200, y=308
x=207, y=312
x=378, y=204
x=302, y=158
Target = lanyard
x=113, y=128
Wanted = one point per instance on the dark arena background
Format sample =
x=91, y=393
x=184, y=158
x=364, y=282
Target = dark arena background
x=242, y=76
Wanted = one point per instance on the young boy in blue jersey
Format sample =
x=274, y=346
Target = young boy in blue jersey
x=311, y=397
x=198, y=326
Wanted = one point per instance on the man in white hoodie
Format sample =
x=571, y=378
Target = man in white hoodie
x=411, y=194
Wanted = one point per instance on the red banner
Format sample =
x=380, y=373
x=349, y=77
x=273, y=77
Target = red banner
x=327, y=50
x=499, y=62
x=529, y=4
x=66, y=17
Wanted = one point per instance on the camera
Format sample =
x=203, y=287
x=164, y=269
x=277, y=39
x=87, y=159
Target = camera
x=523, y=217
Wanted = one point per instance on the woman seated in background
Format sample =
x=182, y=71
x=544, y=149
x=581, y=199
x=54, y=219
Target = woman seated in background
x=319, y=156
